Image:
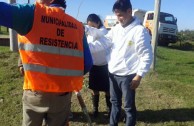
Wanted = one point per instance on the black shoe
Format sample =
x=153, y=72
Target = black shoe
x=108, y=110
x=95, y=114
x=109, y=105
x=95, y=101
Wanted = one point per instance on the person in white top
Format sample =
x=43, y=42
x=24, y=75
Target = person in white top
x=98, y=75
x=129, y=56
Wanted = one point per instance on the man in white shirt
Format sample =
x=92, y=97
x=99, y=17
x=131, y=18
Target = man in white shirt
x=129, y=56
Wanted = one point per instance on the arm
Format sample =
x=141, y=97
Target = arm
x=87, y=56
x=16, y=16
x=20, y=66
x=96, y=33
x=144, y=52
x=101, y=42
x=20, y=62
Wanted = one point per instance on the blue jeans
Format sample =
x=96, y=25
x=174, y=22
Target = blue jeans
x=120, y=86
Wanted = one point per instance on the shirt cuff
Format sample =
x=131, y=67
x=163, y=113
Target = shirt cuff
x=141, y=74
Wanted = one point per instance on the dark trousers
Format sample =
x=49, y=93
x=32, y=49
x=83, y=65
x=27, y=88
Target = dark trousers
x=120, y=86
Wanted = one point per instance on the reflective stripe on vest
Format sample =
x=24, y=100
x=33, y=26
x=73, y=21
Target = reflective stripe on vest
x=50, y=49
x=52, y=71
x=52, y=52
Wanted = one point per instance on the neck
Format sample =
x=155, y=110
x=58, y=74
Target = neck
x=129, y=22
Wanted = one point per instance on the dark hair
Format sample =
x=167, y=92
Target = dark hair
x=60, y=2
x=122, y=5
x=95, y=18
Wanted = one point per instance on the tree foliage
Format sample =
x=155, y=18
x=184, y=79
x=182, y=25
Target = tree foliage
x=186, y=35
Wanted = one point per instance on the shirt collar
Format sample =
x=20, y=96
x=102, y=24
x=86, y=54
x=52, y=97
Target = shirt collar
x=57, y=5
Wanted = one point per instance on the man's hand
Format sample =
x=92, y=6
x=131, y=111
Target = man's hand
x=21, y=69
x=135, y=82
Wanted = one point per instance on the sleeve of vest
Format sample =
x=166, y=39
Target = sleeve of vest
x=87, y=56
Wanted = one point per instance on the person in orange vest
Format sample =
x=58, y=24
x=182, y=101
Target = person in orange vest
x=54, y=54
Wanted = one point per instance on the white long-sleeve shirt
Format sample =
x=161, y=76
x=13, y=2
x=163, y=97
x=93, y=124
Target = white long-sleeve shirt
x=128, y=48
x=99, y=58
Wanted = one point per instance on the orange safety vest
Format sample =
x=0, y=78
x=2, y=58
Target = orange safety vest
x=52, y=52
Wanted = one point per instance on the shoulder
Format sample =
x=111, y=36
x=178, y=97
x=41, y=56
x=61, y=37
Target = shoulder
x=103, y=29
x=138, y=27
x=116, y=28
x=140, y=32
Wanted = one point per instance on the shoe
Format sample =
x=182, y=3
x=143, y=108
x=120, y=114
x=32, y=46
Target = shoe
x=70, y=115
x=95, y=101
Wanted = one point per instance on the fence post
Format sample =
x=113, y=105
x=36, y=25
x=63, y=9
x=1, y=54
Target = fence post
x=13, y=35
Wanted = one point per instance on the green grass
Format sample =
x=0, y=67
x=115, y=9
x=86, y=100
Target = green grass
x=164, y=98
x=10, y=89
x=3, y=30
x=176, y=70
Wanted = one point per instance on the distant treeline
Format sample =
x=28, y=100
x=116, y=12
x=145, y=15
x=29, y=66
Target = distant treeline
x=186, y=35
